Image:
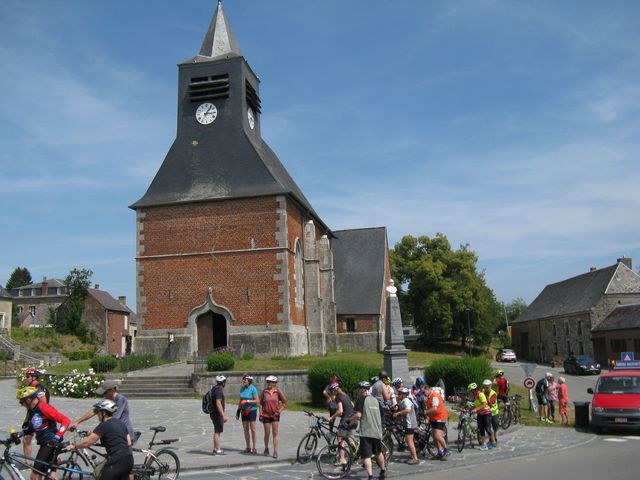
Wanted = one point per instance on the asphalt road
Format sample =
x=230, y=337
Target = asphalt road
x=577, y=384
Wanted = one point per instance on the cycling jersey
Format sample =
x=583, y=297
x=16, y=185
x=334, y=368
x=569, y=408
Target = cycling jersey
x=43, y=422
x=492, y=400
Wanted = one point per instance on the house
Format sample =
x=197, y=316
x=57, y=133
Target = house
x=618, y=332
x=35, y=302
x=111, y=319
x=561, y=318
x=229, y=251
x=6, y=304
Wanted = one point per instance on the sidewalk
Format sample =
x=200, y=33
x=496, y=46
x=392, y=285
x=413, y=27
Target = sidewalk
x=183, y=419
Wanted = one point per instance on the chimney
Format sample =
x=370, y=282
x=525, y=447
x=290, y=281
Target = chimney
x=593, y=269
x=626, y=261
x=96, y=286
x=123, y=300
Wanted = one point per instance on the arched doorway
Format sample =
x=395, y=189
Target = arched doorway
x=212, y=332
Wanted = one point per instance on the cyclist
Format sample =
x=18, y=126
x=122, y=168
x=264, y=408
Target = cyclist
x=272, y=403
x=380, y=392
x=346, y=428
x=248, y=409
x=43, y=422
x=31, y=377
x=368, y=412
x=541, y=395
x=329, y=399
x=436, y=411
x=410, y=421
x=217, y=415
x=492, y=400
x=114, y=437
x=109, y=390
x=482, y=408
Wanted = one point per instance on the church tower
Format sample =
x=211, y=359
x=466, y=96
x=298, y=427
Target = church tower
x=220, y=232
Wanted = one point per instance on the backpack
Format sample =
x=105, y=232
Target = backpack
x=207, y=402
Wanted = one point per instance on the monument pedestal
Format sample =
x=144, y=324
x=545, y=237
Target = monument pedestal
x=396, y=360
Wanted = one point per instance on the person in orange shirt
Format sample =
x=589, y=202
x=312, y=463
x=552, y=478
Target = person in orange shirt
x=437, y=413
x=563, y=399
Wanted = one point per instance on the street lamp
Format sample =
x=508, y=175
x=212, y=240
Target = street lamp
x=469, y=330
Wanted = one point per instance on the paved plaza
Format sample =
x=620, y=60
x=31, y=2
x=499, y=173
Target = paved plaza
x=183, y=419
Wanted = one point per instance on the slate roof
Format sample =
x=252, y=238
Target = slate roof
x=52, y=282
x=576, y=294
x=359, y=268
x=623, y=317
x=107, y=301
x=4, y=293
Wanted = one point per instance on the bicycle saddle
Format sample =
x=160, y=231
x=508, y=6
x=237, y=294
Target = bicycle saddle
x=158, y=429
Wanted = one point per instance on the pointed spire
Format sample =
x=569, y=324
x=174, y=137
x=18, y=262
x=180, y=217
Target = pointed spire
x=219, y=41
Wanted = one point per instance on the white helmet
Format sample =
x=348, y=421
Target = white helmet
x=105, y=405
x=221, y=379
x=486, y=383
x=272, y=378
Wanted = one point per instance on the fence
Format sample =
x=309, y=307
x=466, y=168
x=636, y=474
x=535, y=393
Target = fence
x=8, y=368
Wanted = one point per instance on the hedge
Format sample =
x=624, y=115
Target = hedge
x=220, y=361
x=103, y=363
x=457, y=373
x=349, y=373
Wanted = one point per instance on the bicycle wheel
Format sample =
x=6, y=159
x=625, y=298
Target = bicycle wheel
x=329, y=463
x=505, y=417
x=387, y=445
x=462, y=435
x=167, y=464
x=66, y=474
x=307, y=448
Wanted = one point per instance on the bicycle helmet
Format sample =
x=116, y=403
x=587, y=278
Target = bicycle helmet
x=272, y=378
x=32, y=372
x=374, y=380
x=364, y=384
x=26, y=392
x=397, y=381
x=486, y=383
x=334, y=386
x=334, y=380
x=221, y=379
x=472, y=386
x=246, y=376
x=419, y=381
x=500, y=372
x=403, y=390
x=383, y=374
x=105, y=405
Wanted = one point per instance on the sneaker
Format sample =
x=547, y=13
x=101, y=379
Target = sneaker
x=446, y=452
x=484, y=447
x=218, y=452
x=266, y=452
x=382, y=474
x=413, y=461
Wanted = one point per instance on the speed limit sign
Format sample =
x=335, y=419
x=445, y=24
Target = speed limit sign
x=529, y=383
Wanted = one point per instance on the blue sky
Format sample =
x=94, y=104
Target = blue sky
x=510, y=126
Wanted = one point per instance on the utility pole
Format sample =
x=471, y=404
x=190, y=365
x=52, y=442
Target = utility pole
x=469, y=330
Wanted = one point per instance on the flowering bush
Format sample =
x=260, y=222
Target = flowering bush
x=75, y=384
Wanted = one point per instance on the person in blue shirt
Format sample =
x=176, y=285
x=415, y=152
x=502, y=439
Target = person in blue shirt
x=248, y=410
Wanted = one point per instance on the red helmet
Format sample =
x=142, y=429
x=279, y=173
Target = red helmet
x=32, y=372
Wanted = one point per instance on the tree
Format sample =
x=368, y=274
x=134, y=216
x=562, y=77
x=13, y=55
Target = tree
x=441, y=289
x=512, y=310
x=68, y=318
x=19, y=278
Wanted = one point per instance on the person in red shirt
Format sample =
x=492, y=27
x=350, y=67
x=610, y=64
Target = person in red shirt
x=272, y=403
x=31, y=377
x=563, y=399
x=502, y=385
x=43, y=422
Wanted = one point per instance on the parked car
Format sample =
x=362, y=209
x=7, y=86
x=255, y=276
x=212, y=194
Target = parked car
x=616, y=400
x=506, y=355
x=581, y=365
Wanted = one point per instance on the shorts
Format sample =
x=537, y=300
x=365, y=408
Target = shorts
x=438, y=425
x=44, y=458
x=484, y=425
x=409, y=431
x=218, y=423
x=370, y=446
x=542, y=400
x=503, y=398
x=270, y=418
x=252, y=416
x=495, y=422
x=117, y=469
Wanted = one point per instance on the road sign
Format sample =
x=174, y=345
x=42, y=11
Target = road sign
x=529, y=382
x=627, y=357
x=528, y=368
x=632, y=364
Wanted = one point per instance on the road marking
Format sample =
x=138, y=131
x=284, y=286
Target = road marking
x=632, y=437
x=615, y=440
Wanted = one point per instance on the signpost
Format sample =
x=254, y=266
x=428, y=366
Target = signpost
x=529, y=383
x=627, y=360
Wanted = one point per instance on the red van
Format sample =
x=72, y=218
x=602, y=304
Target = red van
x=616, y=400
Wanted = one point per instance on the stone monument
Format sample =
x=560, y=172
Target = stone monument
x=395, y=354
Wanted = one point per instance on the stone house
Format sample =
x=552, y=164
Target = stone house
x=618, y=332
x=229, y=251
x=560, y=320
x=6, y=304
x=34, y=302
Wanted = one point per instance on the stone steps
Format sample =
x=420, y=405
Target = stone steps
x=157, y=387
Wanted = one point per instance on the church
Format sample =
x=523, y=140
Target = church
x=229, y=251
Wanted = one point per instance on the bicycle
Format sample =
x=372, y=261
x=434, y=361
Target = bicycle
x=392, y=429
x=467, y=430
x=516, y=413
x=320, y=428
x=11, y=462
x=89, y=457
x=335, y=460
x=164, y=463
x=424, y=440
x=505, y=415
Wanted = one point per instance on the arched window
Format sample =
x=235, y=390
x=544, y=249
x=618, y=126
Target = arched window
x=299, y=274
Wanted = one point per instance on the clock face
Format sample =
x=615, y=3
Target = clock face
x=250, y=118
x=206, y=113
